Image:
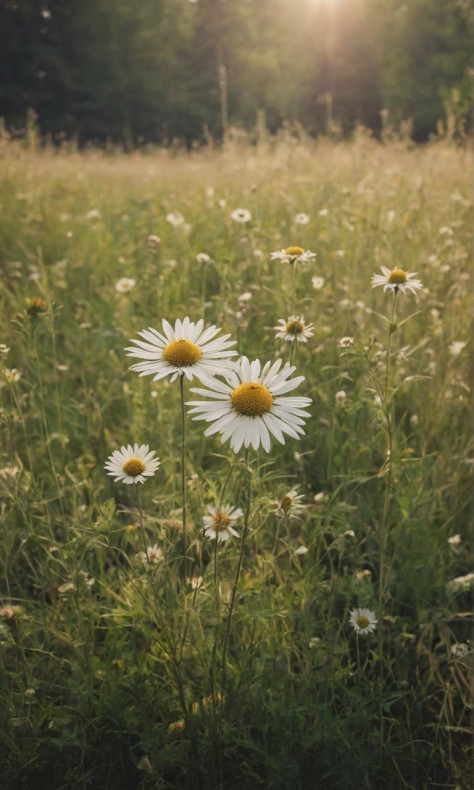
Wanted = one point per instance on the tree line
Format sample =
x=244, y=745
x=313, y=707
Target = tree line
x=138, y=71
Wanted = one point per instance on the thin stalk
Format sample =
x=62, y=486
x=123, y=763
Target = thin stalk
x=236, y=579
x=142, y=526
x=387, y=407
x=292, y=264
x=183, y=472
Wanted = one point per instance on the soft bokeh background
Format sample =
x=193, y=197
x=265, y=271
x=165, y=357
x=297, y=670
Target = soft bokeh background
x=155, y=70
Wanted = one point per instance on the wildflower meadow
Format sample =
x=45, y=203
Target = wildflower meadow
x=236, y=467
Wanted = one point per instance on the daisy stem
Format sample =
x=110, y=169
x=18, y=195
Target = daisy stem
x=142, y=526
x=292, y=288
x=391, y=329
x=216, y=585
x=237, y=574
x=183, y=471
x=388, y=485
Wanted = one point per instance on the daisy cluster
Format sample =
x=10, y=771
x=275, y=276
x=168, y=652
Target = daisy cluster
x=246, y=402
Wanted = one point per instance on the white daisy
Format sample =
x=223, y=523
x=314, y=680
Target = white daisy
x=218, y=522
x=132, y=464
x=301, y=219
x=293, y=255
x=153, y=555
x=152, y=242
x=317, y=282
x=290, y=504
x=363, y=621
x=456, y=347
x=346, y=342
x=203, y=257
x=396, y=280
x=124, y=285
x=241, y=215
x=187, y=349
x=175, y=218
x=251, y=405
x=294, y=329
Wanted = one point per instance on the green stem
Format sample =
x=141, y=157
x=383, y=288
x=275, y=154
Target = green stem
x=237, y=576
x=183, y=472
x=387, y=407
x=142, y=526
x=292, y=287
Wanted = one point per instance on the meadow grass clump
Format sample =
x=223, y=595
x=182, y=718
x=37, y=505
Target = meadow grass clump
x=241, y=557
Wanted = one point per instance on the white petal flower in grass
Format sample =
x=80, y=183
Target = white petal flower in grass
x=301, y=219
x=187, y=349
x=241, y=215
x=252, y=405
x=363, y=621
x=219, y=520
x=153, y=556
x=132, y=464
x=293, y=255
x=290, y=504
x=294, y=329
x=125, y=284
x=396, y=280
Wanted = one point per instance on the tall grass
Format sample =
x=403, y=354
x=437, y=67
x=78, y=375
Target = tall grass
x=117, y=673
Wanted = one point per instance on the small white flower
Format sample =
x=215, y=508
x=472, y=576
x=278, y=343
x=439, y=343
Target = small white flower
x=459, y=650
x=245, y=297
x=290, y=504
x=12, y=375
x=125, y=284
x=175, y=219
x=294, y=329
x=94, y=213
x=324, y=212
x=320, y=498
x=301, y=219
x=301, y=550
x=218, y=522
x=317, y=282
x=446, y=231
x=132, y=464
x=363, y=621
x=414, y=420
x=293, y=255
x=461, y=583
x=241, y=215
x=396, y=280
x=349, y=533
x=203, y=257
x=456, y=347
x=346, y=342
x=340, y=396
x=153, y=555
x=187, y=349
x=152, y=242
x=454, y=540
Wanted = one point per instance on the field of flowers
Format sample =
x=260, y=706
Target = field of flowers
x=235, y=467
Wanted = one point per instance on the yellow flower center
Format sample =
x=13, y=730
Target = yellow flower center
x=133, y=467
x=286, y=503
x=295, y=327
x=220, y=522
x=182, y=353
x=293, y=252
x=252, y=399
x=397, y=277
x=363, y=622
